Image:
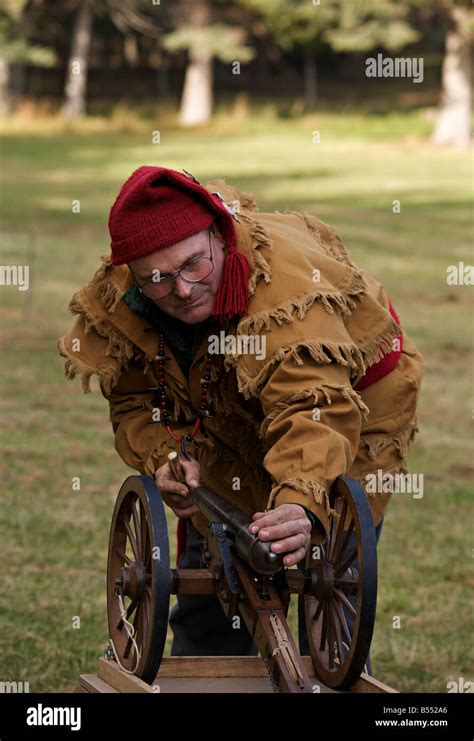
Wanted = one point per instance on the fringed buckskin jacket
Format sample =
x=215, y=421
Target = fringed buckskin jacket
x=284, y=424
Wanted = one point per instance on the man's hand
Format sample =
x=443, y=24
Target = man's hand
x=176, y=495
x=289, y=528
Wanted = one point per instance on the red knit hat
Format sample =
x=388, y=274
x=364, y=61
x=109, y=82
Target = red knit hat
x=157, y=207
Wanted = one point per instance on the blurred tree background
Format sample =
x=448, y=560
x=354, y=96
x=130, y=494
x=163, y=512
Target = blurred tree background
x=273, y=96
x=83, y=56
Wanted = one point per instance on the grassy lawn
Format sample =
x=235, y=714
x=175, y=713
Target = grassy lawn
x=53, y=539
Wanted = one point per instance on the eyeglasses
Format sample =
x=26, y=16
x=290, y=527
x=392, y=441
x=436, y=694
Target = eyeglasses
x=193, y=272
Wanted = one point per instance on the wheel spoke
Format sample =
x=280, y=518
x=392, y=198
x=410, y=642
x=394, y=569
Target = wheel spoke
x=341, y=569
x=123, y=556
x=131, y=538
x=330, y=637
x=141, y=629
x=337, y=636
x=139, y=626
x=126, y=652
x=146, y=616
x=138, y=532
x=146, y=549
x=129, y=611
x=147, y=558
x=342, y=597
x=323, y=628
x=344, y=542
x=129, y=645
x=342, y=620
x=142, y=521
x=330, y=540
x=318, y=611
x=340, y=530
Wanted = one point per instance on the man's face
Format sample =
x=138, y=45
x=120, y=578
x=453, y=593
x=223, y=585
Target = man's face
x=180, y=302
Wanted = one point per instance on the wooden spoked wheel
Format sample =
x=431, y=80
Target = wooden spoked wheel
x=139, y=571
x=344, y=591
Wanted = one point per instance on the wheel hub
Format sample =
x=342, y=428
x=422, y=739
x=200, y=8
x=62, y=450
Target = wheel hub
x=322, y=586
x=132, y=580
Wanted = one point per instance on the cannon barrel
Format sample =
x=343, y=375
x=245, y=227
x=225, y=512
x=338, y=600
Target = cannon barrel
x=255, y=553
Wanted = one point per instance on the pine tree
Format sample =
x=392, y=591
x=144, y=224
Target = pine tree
x=16, y=49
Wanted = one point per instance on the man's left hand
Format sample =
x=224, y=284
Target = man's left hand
x=289, y=529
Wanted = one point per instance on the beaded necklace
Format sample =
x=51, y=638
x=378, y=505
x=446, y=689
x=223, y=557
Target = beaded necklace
x=182, y=440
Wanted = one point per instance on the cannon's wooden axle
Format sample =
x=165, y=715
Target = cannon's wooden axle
x=201, y=581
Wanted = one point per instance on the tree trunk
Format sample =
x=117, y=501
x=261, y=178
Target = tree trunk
x=17, y=84
x=163, y=79
x=454, y=119
x=4, y=87
x=196, y=101
x=310, y=80
x=130, y=49
x=76, y=85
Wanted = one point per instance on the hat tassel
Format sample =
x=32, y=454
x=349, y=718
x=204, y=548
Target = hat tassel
x=232, y=295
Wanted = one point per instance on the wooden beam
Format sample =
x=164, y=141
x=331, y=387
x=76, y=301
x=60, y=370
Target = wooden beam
x=92, y=684
x=183, y=673
x=110, y=672
x=367, y=684
x=211, y=666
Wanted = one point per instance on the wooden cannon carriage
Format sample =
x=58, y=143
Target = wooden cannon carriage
x=251, y=582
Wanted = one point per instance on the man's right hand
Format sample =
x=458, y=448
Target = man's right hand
x=177, y=495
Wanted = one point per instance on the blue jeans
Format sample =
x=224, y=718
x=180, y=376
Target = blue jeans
x=200, y=627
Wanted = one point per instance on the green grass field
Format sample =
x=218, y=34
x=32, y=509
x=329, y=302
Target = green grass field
x=53, y=539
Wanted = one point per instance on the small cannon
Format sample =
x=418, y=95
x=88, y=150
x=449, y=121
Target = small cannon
x=250, y=581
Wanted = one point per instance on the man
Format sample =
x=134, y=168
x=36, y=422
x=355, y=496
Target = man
x=251, y=342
